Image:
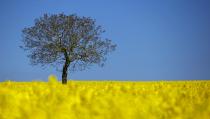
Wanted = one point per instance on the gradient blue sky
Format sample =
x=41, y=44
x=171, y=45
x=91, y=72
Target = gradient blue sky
x=157, y=39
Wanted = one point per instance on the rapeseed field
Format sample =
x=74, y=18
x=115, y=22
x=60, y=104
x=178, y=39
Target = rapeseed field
x=105, y=100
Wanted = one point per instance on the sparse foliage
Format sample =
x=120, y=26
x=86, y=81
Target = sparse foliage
x=69, y=40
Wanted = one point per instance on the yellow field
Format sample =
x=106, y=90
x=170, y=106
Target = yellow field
x=105, y=100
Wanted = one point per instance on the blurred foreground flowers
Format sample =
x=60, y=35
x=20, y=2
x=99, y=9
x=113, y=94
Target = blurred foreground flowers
x=105, y=100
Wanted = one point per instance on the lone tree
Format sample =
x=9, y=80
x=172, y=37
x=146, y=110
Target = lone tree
x=68, y=40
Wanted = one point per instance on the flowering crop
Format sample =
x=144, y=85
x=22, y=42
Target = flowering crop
x=105, y=100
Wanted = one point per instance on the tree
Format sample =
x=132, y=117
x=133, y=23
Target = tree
x=68, y=40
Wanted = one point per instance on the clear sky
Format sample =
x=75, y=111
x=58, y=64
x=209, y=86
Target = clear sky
x=157, y=39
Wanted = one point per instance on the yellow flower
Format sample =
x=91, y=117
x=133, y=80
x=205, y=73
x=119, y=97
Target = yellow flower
x=105, y=100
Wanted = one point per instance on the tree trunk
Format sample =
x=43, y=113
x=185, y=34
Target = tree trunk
x=65, y=72
x=65, y=68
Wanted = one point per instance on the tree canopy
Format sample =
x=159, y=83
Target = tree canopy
x=69, y=40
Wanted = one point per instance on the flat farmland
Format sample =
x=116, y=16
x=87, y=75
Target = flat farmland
x=105, y=100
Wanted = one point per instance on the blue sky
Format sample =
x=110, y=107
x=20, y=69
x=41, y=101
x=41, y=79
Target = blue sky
x=157, y=40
